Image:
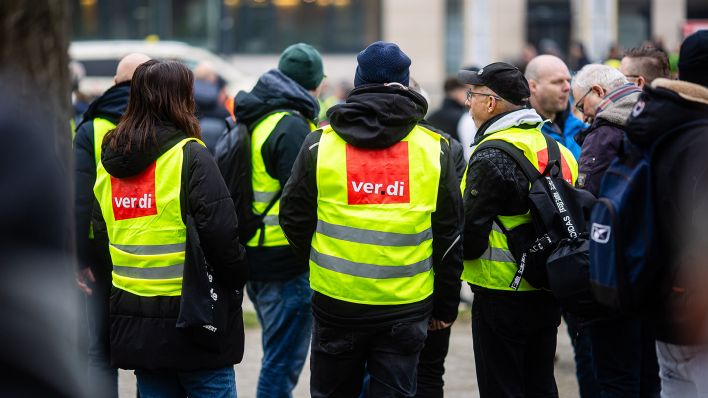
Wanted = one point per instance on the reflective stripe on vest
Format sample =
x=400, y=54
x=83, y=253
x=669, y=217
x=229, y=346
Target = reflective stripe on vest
x=266, y=187
x=373, y=242
x=496, y=267
x=146, y=233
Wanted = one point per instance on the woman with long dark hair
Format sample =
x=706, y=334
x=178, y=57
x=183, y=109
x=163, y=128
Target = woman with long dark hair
x=167, y=213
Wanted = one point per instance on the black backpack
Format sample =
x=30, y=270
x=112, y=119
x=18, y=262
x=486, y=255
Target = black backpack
x=233, y=156
x=558, y=259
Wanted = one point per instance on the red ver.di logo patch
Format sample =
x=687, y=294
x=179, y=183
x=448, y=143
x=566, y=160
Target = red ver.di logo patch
x=134, y=196
x=377, y=176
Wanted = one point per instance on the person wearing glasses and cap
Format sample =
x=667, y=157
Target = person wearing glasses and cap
x=514, y=326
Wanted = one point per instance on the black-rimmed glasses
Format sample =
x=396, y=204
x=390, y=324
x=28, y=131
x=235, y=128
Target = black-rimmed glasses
x=579, y=104
x=470, y=93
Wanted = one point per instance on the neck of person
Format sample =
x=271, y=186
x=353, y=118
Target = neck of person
x=544, y=114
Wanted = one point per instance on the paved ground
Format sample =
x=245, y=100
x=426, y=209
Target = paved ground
x=460, y=377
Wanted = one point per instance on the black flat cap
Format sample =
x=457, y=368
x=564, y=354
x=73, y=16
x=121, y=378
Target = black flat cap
x=504, y=79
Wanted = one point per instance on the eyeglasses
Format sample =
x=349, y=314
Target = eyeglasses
x=579, y=105
x=470, y=93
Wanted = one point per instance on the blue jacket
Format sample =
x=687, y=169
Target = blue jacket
x=564, y=129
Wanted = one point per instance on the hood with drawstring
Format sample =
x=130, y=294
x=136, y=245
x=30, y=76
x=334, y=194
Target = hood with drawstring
x=274, y=91
x=110, y=106
x=377, y=116
x=122, y=165
x=504, y=121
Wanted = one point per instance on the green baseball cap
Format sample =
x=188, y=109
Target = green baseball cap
x=302, y=63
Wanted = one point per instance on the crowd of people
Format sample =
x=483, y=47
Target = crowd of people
x=369, y=223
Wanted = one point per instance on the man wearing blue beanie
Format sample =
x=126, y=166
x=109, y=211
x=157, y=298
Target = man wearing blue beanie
x=374, y=204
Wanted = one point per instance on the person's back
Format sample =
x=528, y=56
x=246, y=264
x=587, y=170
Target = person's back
x=153, y=178
x=280, y=112
x=210, y=112
x=94, y=261
x=373, y=202
x=680, y=109
x=514, y=324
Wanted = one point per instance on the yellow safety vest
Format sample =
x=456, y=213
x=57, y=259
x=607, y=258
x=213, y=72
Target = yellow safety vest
x=146, y=232
x=101, y=127
x=496, y=268
x=265, y=187
x=373, y=243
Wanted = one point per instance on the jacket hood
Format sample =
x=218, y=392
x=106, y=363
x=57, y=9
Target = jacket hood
x=121, y=165
x=111, y=105
x=617, y=105
x=525, y=116
x=377, y=115
x=664, y=106
x=275, y=91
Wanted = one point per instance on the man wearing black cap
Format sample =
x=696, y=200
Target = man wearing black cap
x=280, y=112
x=513, y=325
x=680, y=108
x=374, y=203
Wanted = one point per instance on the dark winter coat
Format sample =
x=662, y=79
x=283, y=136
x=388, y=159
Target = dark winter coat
x=273, y=92
x=447, y=117
x=495, y=183
x=456, y=151
x=143, y=332
x=377, y=116
x=681, y=196
x=603, y=139
x=110, y=106
x=210, y=112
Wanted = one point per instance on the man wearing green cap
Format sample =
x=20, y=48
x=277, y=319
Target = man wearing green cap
x=280, y=112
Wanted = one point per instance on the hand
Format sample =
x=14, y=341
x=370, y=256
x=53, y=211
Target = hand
x=436, y=324
x=82, y=278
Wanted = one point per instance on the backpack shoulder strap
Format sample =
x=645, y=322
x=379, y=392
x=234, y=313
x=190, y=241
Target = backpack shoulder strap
x=526, y=167
x=554, y=155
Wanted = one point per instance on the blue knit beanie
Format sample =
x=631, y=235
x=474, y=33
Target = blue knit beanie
x=380, y=63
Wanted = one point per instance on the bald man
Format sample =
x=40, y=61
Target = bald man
x=94, y=273
x=549, y=82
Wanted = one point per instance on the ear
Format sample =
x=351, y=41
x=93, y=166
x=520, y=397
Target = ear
x=491, y=104
x=641, y=82
x=532, y=86
x=599, y=91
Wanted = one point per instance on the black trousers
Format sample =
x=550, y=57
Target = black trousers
x=514, y=336
x=340, y=355
x=431, y=365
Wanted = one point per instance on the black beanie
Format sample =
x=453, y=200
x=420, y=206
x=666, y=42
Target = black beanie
x=693, y=59
x=382, y=62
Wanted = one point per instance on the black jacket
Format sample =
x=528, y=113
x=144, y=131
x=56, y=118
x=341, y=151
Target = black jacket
x=143, y=332
x=681, y=198
x=210, y=112
x=456, y=150
x=376, y=116
x=273, y=92
x=495, y=185
x=447, y=117
x=110, y=106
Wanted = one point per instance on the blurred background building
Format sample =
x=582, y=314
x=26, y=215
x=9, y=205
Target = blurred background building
x=440, y=36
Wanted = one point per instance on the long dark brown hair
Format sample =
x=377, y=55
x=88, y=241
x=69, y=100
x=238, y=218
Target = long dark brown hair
x=160, y=91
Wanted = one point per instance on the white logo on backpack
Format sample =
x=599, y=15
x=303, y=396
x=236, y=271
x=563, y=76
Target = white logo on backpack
x=600, y=233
